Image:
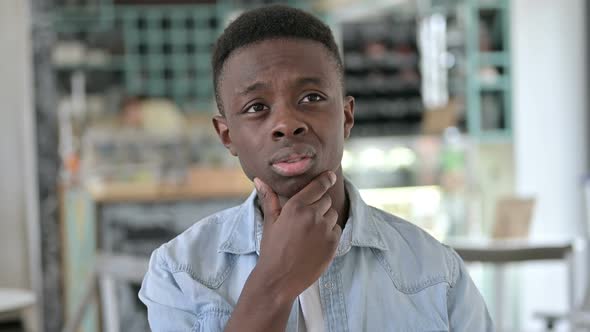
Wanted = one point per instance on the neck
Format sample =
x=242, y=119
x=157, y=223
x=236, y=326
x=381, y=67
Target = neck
x=339, y=198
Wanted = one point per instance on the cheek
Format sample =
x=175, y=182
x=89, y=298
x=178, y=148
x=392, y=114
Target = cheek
x=334, y=150
x=247, y=169
x=251, y=166
x=337, y=154
x=250, y=156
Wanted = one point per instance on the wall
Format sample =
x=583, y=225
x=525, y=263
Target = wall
x=15, y=94
x=550, y=120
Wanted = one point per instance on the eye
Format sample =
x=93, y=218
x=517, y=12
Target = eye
x=256, y=108
x=312, y=98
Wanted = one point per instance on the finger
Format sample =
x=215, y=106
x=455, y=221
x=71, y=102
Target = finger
x=337, y=231
x=331, y=219
x=269, y=201
x=316, y=188
x=322, y=205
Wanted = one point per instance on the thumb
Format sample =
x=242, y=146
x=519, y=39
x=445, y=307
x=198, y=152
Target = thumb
x=269, y=201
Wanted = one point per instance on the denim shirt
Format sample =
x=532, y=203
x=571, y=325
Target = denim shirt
x=387, y=275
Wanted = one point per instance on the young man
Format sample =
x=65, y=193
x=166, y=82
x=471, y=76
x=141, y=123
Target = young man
x=303, y=252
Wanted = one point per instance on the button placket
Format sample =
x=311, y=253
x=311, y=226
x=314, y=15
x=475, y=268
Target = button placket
x=332, y=298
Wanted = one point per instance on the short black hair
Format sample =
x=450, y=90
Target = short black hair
x=271, y=22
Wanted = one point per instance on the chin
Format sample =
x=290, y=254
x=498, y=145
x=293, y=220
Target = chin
x=288, y=187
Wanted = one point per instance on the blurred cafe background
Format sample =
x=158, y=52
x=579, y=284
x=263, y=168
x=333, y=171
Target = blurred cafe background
x=471, y=122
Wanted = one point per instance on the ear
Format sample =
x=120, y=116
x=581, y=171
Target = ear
x=348, y=115
x=220, y=124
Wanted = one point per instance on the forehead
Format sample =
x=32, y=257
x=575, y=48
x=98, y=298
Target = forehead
x=279, y=59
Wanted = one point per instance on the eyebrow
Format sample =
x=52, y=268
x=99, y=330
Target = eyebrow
x=298, y=83
x=308, y=80
x=254, y=87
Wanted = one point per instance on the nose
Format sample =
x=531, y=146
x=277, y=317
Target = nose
x=287, y=124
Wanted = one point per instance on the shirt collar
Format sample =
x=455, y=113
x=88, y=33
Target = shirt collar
x=241, y=236
x=245, y=232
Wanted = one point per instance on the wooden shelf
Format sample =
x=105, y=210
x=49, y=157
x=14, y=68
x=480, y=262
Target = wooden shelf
x=201, y=184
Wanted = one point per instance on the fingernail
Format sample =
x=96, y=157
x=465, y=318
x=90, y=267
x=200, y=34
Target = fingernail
x=257, y=184
x=332, y=178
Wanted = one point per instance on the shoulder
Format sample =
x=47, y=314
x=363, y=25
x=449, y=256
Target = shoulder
x=196, y=250
x=414, y=258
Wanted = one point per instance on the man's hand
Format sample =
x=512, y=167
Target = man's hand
x=299, y=240
x=298, y=244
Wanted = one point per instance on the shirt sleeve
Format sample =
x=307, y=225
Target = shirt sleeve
x=467, y=309
x=176, y=302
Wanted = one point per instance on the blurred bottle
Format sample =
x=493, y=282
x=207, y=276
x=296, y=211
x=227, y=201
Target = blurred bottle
x=452, y=181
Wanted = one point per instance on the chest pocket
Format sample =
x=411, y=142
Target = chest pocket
x=213, y=320
x=423, y=311
x=385, y=307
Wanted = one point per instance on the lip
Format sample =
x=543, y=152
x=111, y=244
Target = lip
x=292, y=162
x=294, y=167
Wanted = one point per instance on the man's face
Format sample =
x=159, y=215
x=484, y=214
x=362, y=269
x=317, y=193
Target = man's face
x=285, y=116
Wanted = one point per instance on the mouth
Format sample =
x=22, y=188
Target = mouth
x=292, y=164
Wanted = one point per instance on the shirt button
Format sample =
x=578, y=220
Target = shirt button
x=328, y=285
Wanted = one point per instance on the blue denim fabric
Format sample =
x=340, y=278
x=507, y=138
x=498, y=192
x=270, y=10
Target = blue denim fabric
x=388, y=275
